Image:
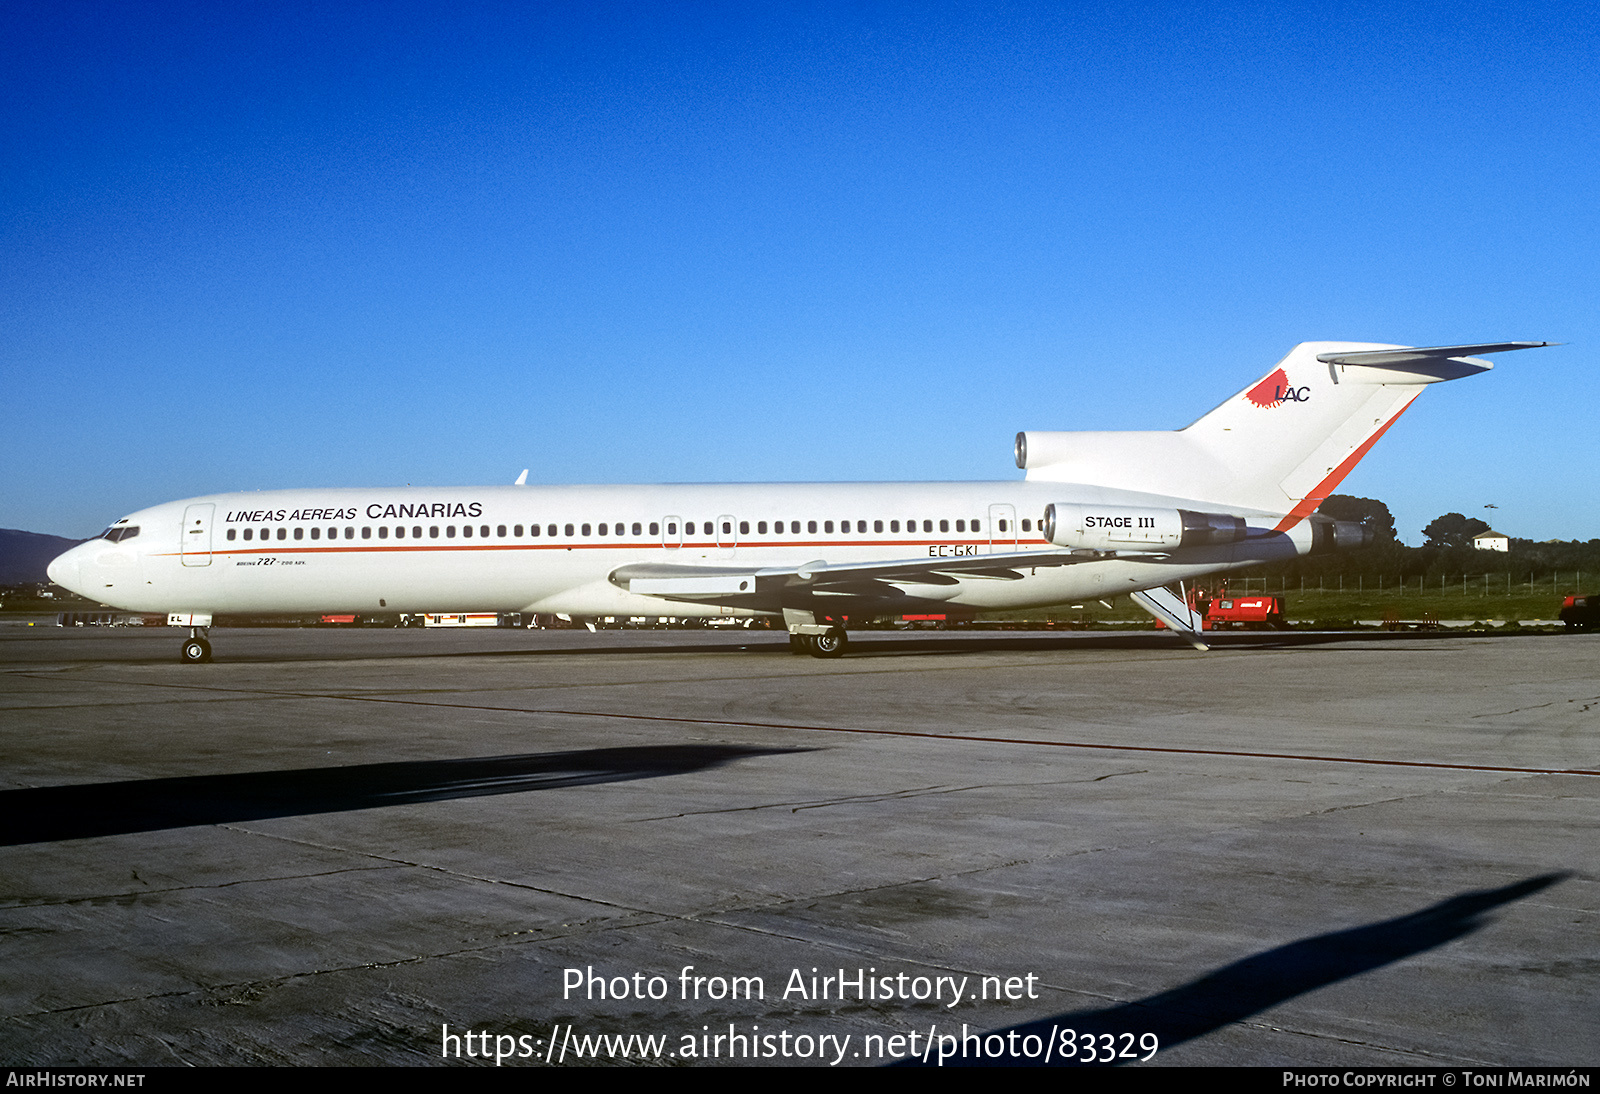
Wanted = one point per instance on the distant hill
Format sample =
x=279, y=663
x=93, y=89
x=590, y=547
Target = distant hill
x=24, y=555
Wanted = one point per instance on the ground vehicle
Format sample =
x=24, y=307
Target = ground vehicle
x=1580, y=612
x=1219, y=612
x=1248, y=612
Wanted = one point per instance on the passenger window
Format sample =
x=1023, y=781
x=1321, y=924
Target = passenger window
x=744, y=528
x=655, y=528
x=586, y=530
x=672, y=529
x=316, y=533
x=944, y=526
x=399, y=532
x=974, y=526
x=416, y=531
x=567, y=529
x=266, y=533
x=927, y=526
x=449, y=531
x=534, y=530
x=602, y=530
x=383, y=531
x=466, y=531
x=349, y=533
x=1002, y=526
x=961, y=526
x=894, y=526
x=433, y=531
x=483, y=530
x=827, y=526
x=500, y=530
x=761, y=527
x=811, y=527
x=516, y=530
x=638, y=529
x=231, y=533
x=1027, y=525
x=283, y=533
x=727, y=528
x=366, y=533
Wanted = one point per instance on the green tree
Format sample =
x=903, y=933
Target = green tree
x=1369, y=511
x=1453, y=530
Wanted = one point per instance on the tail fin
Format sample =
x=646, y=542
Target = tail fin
x=1281, y=445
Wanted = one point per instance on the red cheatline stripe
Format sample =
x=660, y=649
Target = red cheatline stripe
x=366, y=547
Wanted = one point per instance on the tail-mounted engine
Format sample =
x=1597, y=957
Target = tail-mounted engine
x=1328, y=536
x=1132, y=528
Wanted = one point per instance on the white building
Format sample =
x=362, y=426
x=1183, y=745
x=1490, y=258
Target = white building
x=1491, y=541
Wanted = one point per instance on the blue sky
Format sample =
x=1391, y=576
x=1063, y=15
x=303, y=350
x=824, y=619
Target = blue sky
x=248, y=246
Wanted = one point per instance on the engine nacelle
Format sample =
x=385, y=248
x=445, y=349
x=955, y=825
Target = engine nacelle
x=1328, y=536
x=1134, y=527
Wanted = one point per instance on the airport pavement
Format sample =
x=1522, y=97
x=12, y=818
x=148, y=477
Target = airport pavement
x=348, y=848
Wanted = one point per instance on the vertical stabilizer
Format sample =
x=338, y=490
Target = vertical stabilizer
x=1281, y=445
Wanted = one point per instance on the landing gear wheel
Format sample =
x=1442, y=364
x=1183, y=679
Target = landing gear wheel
x=799, y=644
x=831, y=644
x=196, y=651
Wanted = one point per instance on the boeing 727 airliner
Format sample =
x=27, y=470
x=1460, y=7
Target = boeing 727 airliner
x=1098, y=514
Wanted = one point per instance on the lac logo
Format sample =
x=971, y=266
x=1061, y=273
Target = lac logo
x=1275, y=389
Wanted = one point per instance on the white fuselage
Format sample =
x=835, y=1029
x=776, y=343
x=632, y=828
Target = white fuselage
x=554, y=548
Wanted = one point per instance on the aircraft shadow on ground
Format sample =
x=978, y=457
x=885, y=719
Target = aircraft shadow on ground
x=1235, y=992
x=44, y=814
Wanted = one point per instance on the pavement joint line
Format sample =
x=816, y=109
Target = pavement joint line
x=1538, y=706
x=443, y=870
x=1156, y=749
x=1375, y=1045
x=801, y=727
x=868, y=799
x=648, y=919
x=14, y=905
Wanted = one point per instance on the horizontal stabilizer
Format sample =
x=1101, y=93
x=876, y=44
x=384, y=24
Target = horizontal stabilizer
x=1392, y=358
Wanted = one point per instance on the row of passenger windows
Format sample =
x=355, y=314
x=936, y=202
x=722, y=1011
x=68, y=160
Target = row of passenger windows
x=620, y=528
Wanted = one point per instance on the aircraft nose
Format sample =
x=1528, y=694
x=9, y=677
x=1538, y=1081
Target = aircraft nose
x=63, y=570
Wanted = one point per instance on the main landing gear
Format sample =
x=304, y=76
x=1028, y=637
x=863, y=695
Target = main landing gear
x=829, y=644
x=196, y=650
x=819, y=636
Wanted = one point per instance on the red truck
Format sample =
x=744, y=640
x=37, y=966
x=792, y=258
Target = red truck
x=1222, y=612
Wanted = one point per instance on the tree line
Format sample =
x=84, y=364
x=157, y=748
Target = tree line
x=1447, y=554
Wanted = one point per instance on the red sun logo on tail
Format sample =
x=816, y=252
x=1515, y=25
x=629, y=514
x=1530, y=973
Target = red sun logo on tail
x=1271, y=391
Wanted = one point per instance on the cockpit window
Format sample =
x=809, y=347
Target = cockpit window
x=118, y=534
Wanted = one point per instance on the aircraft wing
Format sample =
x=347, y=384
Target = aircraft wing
x=713, y=583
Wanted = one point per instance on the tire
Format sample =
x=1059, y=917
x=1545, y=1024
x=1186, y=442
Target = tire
x=831, y=644
x=196, y=651
x=798, y=644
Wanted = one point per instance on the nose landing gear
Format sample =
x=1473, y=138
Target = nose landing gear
x=196, y=650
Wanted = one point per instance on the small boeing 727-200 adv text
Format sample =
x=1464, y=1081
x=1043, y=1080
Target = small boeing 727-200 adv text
x=1098, y=514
